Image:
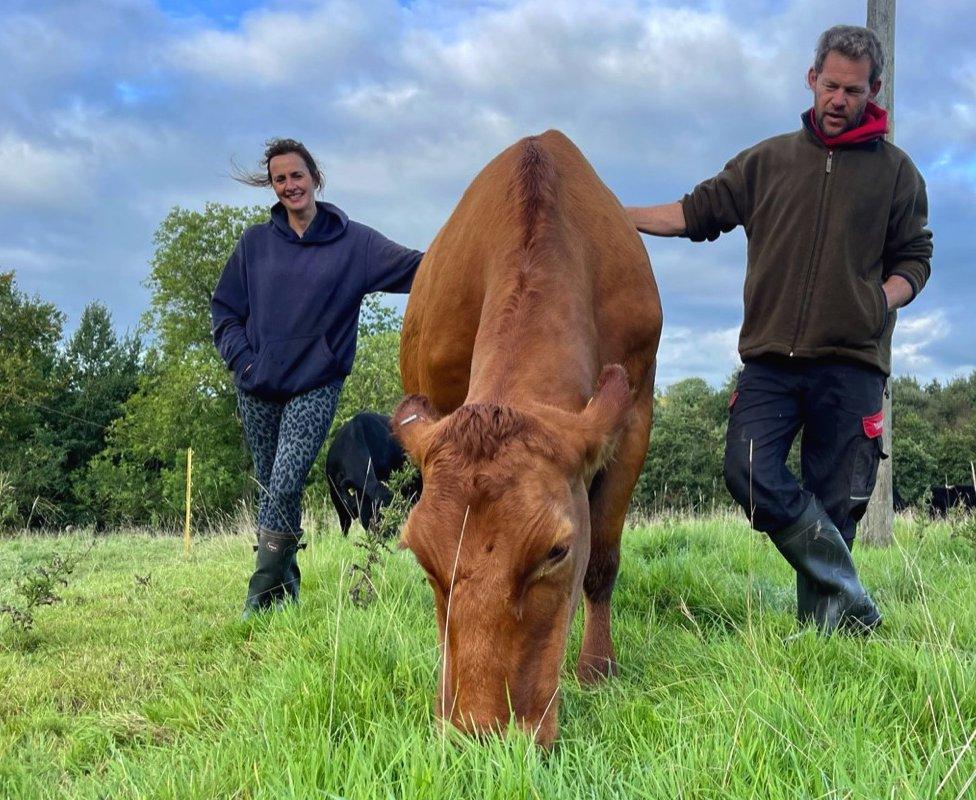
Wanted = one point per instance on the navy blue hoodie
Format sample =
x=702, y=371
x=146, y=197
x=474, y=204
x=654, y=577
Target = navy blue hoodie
x=286, y=308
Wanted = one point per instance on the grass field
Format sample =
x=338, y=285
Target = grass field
x=144, y=683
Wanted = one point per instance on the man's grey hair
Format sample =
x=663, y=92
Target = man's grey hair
x=852, y=42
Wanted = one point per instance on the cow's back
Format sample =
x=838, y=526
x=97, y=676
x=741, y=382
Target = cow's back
x=364, y=442
x=597, y=247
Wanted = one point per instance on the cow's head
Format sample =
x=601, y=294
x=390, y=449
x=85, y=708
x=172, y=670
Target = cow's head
x=375, y=498
x=502, y=530
x=360, y=490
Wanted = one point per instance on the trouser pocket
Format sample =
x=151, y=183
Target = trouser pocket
x=868, y=453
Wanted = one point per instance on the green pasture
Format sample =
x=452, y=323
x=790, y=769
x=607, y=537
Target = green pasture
x=143, y=682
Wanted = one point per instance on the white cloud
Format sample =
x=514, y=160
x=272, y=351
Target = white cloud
x=308, y=50
x=39, y=176
x=912, y=344
x=32, y=258
x=376, y=101
x=711, y=353
x=612, y=74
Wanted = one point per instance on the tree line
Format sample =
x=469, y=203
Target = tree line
x=94, y=426
x=933, y=433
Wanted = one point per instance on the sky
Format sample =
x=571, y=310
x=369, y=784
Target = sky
x=114, y=112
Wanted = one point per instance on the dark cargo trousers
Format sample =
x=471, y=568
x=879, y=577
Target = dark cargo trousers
x=837, y=405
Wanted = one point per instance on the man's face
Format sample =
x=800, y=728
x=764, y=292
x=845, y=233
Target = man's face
x=841, y=91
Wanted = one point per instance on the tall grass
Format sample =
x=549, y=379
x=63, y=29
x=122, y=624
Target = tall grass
x=144, y=683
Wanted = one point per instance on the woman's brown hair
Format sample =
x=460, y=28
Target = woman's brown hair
x=280, y=147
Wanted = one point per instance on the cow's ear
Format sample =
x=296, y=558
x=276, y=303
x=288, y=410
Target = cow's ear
x=412, y=423
x=604, y=417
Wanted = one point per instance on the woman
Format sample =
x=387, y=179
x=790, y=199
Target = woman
x=285, y=316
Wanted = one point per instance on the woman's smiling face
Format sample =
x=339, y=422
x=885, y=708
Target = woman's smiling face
x=292, y=182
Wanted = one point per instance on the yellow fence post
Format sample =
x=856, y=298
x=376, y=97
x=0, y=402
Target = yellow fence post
x=189, y=494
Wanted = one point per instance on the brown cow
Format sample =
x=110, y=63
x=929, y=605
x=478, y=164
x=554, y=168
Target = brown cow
x=536, y=281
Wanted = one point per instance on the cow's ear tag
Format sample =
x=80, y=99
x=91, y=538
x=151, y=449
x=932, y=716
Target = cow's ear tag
x=408, y=420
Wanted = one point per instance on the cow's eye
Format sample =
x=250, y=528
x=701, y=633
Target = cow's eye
x=556, y=554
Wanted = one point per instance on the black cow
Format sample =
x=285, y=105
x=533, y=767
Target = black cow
x=946, y=497
x=361, y=458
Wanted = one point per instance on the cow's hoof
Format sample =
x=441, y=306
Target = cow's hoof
x=596, y=669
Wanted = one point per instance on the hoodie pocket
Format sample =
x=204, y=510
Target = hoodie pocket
x=291, y=366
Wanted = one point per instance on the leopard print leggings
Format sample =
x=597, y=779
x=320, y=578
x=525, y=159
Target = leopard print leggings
x=285, y=437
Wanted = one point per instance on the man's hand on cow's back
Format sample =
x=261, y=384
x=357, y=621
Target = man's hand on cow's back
x=662, y=220
x=898, y=291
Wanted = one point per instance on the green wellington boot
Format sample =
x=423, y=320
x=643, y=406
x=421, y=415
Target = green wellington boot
x=829, y=593
x=276, y=575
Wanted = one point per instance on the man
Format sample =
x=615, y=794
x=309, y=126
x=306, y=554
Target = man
x=836, y=224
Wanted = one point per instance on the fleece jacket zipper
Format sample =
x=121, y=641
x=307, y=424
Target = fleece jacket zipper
x=814, y=252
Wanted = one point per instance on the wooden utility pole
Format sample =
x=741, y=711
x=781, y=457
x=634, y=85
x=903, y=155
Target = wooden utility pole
x=879, y=519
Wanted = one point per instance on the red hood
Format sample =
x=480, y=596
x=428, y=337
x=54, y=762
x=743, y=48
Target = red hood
x=874, y=124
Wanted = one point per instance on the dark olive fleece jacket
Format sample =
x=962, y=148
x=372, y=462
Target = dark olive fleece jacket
x=825, y=229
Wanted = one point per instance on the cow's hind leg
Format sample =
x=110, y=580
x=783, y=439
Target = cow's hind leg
x=610, y=496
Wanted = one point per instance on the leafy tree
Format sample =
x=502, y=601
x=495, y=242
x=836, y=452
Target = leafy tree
x=374, y=383
x=913, y=452
x=683, y=468
x=186, y=397
x=140, y=476
x=955, y=452
x=935, y=440
x=30, y=455
x=951, y=406
x=378, y=318
x=907, y=395
x=97, y=372
x=191, y=250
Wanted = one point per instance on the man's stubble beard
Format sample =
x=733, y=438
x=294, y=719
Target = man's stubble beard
x=851, y=125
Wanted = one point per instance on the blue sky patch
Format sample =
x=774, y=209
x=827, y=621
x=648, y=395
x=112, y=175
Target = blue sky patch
x=223, y=14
